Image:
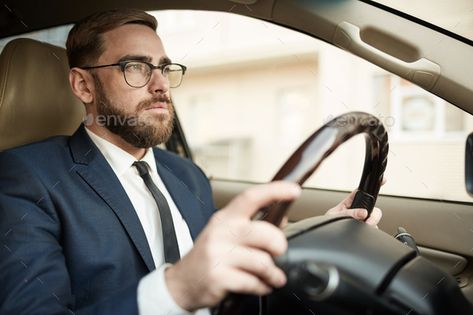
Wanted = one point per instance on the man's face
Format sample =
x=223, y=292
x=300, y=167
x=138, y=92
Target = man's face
x=143, y=117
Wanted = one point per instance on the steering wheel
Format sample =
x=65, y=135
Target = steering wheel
x=338, y=265
x=310, y=155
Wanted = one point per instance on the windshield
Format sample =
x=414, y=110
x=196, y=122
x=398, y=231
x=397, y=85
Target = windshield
x=455, y=16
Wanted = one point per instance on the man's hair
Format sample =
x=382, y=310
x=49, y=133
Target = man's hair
x=85, y=42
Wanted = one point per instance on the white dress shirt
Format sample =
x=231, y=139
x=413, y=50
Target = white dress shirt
x=153, y=295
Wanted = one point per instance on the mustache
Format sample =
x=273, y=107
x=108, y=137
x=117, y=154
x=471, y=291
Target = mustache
x=156, y=99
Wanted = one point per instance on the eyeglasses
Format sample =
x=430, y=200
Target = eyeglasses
x=138, y=73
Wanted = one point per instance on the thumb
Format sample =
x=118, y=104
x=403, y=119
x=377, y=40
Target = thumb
x=347, y=202
x=251, y=200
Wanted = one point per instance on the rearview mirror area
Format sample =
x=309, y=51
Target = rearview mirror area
x=469, y=164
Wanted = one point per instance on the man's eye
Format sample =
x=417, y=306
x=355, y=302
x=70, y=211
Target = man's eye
x=166, y=69
x=135, y=67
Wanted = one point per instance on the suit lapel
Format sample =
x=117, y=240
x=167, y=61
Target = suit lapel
x=186, y=202
x=100, y=176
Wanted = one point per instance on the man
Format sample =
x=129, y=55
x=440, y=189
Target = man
x=82, y=218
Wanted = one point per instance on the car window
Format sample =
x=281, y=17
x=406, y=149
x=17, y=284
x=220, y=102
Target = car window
x=454, y=16
x=56, y=36
x=254, y=91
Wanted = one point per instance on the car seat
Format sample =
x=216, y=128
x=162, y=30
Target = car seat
x=36, y=101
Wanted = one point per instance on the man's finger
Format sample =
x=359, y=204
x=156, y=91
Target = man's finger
x=359, y=213
x=254, y=198
x=259, y=264
x=284, y=222
x=265, y=236
x=375, y=217
x=349, y=199
x=239, y=281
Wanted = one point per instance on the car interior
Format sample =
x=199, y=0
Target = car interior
x=34, y=89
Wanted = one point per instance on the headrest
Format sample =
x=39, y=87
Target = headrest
x=36, y=101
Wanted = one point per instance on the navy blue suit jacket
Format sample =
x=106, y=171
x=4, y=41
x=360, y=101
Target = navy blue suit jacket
x=70, y=238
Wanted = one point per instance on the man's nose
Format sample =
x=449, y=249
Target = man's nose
x=158, y=83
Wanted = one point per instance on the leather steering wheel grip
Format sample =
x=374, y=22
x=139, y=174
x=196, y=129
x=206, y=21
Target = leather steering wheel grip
x=308, y=157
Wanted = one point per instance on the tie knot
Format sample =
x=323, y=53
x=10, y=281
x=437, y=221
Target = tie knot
x=142, y=167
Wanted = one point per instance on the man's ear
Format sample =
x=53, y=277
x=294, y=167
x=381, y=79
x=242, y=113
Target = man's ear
x=82, y=85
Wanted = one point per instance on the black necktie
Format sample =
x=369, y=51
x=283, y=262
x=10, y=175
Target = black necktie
x=171, y=248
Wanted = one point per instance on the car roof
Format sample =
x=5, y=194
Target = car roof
x=22, y=16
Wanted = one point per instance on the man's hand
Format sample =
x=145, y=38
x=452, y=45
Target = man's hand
x=342, y=209
x=233, y=253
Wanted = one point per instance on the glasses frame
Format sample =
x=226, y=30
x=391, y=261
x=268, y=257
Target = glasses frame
x=123, y=64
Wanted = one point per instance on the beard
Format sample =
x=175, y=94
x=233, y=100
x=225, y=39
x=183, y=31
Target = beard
x=141, y=132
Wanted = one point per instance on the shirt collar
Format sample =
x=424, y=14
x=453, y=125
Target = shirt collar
x=149, y=158
x=119, y=159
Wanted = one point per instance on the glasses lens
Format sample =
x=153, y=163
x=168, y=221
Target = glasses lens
x=174, y=73
x=137, y=73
